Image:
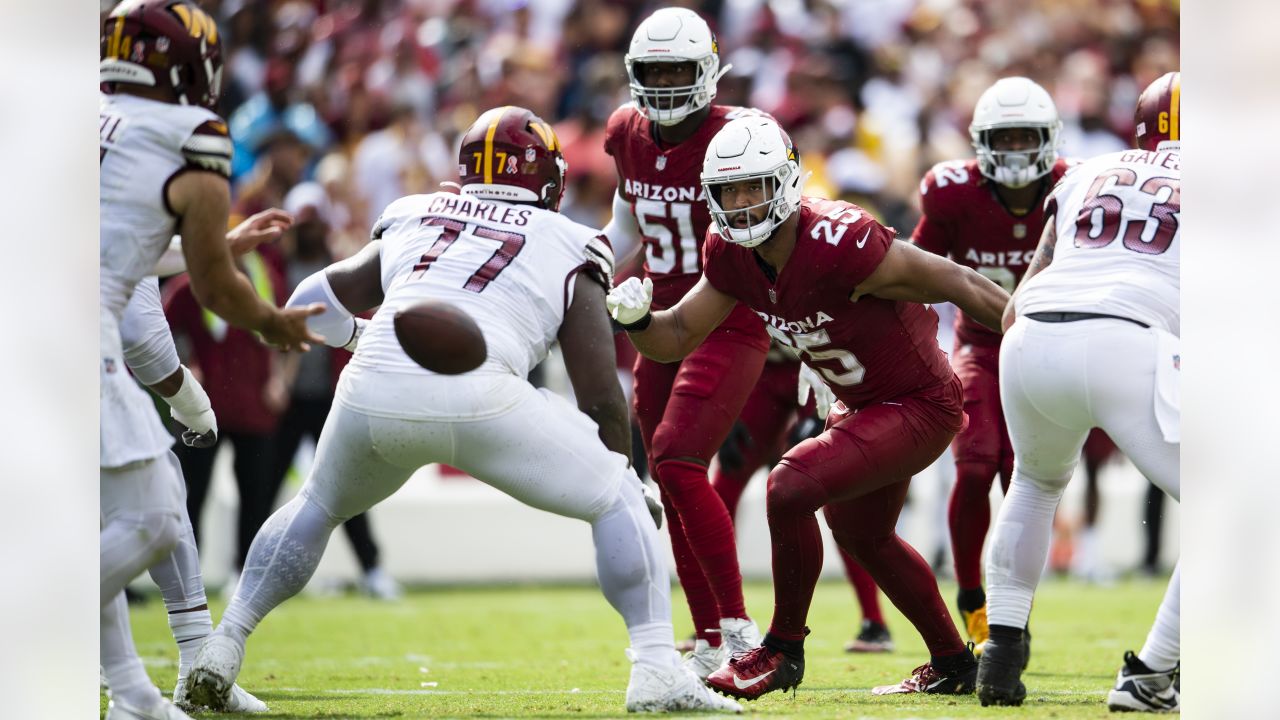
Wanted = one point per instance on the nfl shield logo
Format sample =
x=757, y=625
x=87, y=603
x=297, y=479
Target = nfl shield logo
x=1019, y=230
x=530, y=155
x=662, y=162
x=773, y=296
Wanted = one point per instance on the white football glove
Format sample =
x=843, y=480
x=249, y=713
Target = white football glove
x=822, y=395
x=190, y=406
x=629, y=302
x=653, y=503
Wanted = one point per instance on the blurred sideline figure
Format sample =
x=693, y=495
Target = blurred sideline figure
x=1092, y=341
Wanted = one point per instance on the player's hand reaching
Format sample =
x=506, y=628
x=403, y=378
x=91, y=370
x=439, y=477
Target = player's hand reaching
x=266, y=226
x=287, y=329
x=629, y=302
x=822, y=395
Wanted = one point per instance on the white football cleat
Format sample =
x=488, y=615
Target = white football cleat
x=704, y=659
x=738, y=635
x=671, y=689
x=161, y=709
x=379, y=585
x=214, y=672
x=240, y=700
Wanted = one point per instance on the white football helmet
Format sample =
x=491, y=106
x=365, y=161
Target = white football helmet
x=752, y=148
x=1015, y=102
x=674, y=35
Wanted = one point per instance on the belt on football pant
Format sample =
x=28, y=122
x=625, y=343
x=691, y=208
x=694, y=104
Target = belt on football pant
x=1066, y=317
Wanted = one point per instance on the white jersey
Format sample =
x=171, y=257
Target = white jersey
x=144, y=144
x=509, y=266
x=1117, y=252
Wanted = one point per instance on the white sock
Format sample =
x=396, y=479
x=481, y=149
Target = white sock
x=654, y=644
x=1163, y=647
x=126, y=677
x=189, y=628
x=1019, y=548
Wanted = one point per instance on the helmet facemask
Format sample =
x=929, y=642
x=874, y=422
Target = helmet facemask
x=781, y=190
x=670, y=105
x=1016, y=168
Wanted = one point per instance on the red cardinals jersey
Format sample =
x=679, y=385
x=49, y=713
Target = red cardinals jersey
x=869, y=351
x=965, y=220
x=663, y=186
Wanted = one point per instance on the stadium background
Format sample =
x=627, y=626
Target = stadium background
x=367, y=99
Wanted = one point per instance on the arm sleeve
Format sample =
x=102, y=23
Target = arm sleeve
x=148, y=344
x=336, y=324
x=622, y=231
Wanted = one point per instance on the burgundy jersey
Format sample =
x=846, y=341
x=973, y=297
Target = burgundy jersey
x=663, y=186
x=963, y=219
x=869, y=351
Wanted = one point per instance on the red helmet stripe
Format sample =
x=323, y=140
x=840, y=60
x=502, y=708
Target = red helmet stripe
x=1174, y=92
x=488, y=142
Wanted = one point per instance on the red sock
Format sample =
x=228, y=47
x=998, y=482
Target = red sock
x=708, y=530
x=969, y=517
x=864, y=587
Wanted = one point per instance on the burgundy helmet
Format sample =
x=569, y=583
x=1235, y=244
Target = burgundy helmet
x=170, y=44
x=510, y=154
x=1156, y=117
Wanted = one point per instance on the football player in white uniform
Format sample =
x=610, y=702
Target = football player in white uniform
x=528, y=276
x=1094, y=344
x=164, y=159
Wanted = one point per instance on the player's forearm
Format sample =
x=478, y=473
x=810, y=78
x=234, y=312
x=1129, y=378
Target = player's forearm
x=614, y=422
x=231, y=296
x=664, y=339
x=981, y=299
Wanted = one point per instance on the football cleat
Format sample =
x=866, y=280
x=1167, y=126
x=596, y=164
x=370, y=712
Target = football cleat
x=738, y=635
x=1000, y=673
x=379, y=585
x=687, y=645
x=873, y=637
x=1141, y=689
x=214, y=672
x=654, y=688
x=704, y=659
x=756, y=672
x=240, y=700
x=932, y=680
x=161, y=709
x=975, y=623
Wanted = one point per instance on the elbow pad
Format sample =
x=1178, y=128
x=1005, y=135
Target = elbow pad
x=144, y=333
x=622, y=231
x=336, y=324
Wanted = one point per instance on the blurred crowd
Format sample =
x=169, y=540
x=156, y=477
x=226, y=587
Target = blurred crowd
x=366, y=98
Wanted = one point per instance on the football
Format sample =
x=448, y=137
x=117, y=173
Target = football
x=440, y=337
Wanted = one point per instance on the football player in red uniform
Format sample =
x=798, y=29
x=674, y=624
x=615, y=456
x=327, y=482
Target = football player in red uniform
x=833, y=284
x=684, y=409
x=987, y=214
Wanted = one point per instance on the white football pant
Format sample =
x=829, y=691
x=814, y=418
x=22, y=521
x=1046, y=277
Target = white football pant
x=531, y=444
x=1057, y=382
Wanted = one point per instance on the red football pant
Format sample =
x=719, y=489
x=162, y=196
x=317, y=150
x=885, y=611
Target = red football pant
x=685, y=411
x=767, y=416
x=982, y=451
x=859, y=471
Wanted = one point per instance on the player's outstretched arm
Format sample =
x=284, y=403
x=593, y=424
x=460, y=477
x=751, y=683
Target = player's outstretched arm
x=1044, y=256
x=202, y=200
x=587, y=342
x=913, y=275
x=343, y=289
x=668, y=335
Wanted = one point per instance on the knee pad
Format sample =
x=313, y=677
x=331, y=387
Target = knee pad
x=158, y=531
x=671, y=442
x=791, y=492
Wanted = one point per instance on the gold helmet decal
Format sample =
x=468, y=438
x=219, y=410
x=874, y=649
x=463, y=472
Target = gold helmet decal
x=197, y=22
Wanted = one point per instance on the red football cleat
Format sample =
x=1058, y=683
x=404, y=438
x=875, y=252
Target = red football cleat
x=756, y=672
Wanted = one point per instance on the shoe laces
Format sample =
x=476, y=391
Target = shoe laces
x=753, y=660
x=925, y=675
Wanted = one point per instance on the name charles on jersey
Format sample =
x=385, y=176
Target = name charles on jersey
x=458, y=205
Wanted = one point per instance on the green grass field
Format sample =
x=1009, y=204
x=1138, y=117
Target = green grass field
x=539, y=651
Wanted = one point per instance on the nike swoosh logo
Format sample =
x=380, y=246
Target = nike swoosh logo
x=744, y=685
x=863, y=241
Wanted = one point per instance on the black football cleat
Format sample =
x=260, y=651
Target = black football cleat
x=1000, y=673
